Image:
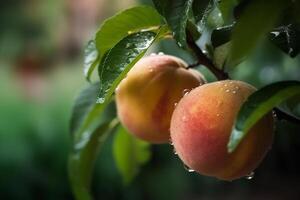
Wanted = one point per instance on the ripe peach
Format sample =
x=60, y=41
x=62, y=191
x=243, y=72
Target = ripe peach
x=201, y=125
x=145, y=98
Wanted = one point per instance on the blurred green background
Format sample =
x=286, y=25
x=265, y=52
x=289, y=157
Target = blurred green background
x=41, y=50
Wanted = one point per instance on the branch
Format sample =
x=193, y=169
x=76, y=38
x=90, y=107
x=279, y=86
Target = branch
x=204, y=60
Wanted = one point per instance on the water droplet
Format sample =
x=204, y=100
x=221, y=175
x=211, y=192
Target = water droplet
x=227, y=90
x=128, y=45
x=236, y=87
x=153, y=54
x=129, y=32
x=276, y=33
x=117, y=89
x=218, y=115
x=187, y=168
x=100, y=100
x=274, y=114
x=225, y=85
x=175, y=104
x=179, y=44
x=230, y=82
x=151, y=70
x=185, y=92
x=161, y=54
x=174, y=151
x=234, y=92
x=250, y=176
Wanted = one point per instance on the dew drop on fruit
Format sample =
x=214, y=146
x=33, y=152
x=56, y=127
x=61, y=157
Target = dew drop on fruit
x=117, y=89
x=227, y=90
x=161, y=54
x=187, y=168
x=234, y=92
x=185, y=92
x=250, y=176
x=175, y=104
x=174, y=151
x=153, y=54
x=184, y=119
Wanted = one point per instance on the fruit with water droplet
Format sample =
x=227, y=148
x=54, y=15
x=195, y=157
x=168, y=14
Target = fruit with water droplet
x=201, y=139
x=146, y=98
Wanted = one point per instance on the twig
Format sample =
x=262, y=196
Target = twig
x=204, y=60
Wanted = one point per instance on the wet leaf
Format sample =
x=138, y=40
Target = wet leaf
x=287, y=38
x=255, y=22
x=121, y=58
x=92, y=131
x=258, y=104
x=91, y=59
x=176, y=13
x=116, y=28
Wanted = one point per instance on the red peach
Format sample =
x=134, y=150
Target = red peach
x=201, y=125
x=145, y=98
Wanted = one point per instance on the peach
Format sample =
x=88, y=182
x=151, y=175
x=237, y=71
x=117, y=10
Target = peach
x=146, y=97
x=201, y=125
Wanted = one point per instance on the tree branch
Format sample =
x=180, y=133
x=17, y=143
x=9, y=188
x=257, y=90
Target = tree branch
x=204, y=60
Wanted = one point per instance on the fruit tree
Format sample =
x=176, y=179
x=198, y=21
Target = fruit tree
x=218, y=126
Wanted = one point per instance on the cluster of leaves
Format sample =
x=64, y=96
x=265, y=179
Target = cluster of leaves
x=233, y=28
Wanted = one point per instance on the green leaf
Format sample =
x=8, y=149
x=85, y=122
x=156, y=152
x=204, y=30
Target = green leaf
x=91, y=59
x=97, y=124
x=82, y=159
x=226, y=8
x=199, y=8
x=90, y=123
x=176, y=13
x=116, y=28
x=258, y=104
x=214, y=18
x=221, y=54
x=257, y=19
x=129, y=153
x=287, y=38
x=121, y=58
x=193, y=29
x=221, y=35
x=83, y=104
x=125, y=23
